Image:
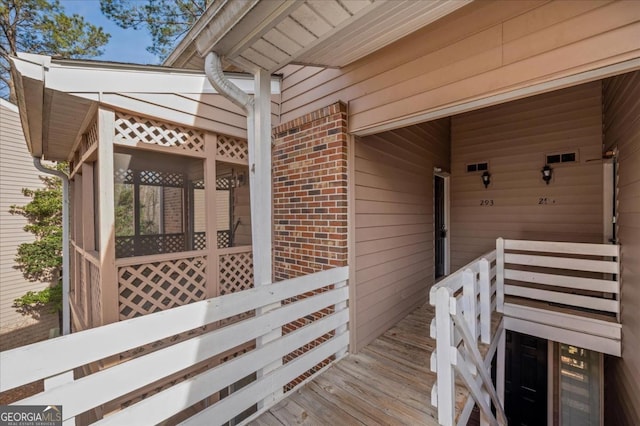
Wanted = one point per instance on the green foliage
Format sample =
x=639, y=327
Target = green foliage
x=166, y=20
x=41, y=260
x=33, y=301
x=41, y=26
x=124, y=209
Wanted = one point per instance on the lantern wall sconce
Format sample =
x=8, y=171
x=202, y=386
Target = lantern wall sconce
x=486, y=179
x=547, y=172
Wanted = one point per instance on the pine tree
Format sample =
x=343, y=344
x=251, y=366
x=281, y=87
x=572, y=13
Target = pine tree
x=166, y=20
x=41, y=26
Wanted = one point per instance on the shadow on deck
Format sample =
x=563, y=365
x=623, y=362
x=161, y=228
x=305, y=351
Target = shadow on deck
x=387, y=382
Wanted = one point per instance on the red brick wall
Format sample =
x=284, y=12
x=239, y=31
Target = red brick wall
x=310, y=205
x=310, y=193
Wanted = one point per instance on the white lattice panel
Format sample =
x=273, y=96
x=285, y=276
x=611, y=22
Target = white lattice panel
x=129, y=128
x=156, y=286
x=235, y=150
x=235, y=272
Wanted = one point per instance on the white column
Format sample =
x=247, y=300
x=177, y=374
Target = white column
x=261, y=210
x=260, y=179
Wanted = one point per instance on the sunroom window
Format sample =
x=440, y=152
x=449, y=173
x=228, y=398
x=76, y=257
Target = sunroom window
x=156, y=197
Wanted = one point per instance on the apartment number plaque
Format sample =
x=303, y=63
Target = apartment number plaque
x=487, y=203
x=543, y=201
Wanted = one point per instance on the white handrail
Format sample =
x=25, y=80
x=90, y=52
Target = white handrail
x=457, y=333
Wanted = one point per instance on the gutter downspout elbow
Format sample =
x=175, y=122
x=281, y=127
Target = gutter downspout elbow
x=215, y=75
x=66, y=317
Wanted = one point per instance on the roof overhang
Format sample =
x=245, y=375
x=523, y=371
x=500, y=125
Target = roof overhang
x=58, y=99
x=267, y=35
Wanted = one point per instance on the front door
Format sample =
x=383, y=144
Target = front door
x=440, y=230
x=526, y=380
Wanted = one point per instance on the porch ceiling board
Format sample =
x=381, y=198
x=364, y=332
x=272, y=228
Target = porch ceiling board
x=332, y=33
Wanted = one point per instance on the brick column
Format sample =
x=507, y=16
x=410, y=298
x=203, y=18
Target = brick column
x=310, y=206
x=310, y=193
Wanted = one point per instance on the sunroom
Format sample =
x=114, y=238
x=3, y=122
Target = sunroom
x=140, y=211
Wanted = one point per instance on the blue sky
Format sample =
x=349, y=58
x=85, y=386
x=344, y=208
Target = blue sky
x=124, y=45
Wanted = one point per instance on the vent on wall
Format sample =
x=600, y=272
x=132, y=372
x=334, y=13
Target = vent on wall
x=477, y=167
x=567, y=157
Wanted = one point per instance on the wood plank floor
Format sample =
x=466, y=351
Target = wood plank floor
x=387, y=383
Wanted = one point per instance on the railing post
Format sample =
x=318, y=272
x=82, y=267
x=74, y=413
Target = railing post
x=500, y=364
x=343, y=328
x=485, y=301
x=500, y=275
x=469, y=298
x=444, y=343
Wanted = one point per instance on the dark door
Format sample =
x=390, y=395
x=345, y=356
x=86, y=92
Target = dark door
x=526, y=380
x=440, y=230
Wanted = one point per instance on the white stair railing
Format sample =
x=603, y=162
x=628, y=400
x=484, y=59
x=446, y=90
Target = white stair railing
x=464, y=303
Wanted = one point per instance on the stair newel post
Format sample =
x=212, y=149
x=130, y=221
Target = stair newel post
x=444, y=347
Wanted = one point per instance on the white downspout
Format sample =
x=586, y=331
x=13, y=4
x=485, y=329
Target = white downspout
x=259, y=179
x=258, y=110
x=66, y=317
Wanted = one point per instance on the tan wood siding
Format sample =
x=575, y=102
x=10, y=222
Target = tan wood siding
x=622, y=129
x=16, y=172
x=514, y=139
x=208, y=112
x=394, y=223
x=485, y=48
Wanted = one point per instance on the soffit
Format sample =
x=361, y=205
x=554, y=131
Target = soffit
x=271, y=34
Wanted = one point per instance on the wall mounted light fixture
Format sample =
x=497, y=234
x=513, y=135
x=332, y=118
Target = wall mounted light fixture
x=486, y=178
x=547, y=172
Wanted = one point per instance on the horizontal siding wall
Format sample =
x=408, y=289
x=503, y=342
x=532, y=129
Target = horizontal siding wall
x=514, y=138
x=16, y=172
x=622, y=129
x=485, y=48
x=394, y=223
x=210, y=112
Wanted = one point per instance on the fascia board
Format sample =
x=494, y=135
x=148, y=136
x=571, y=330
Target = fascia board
x=28, y=69
x=96, y=80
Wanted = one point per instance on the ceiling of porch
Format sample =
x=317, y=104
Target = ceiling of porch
x=267, y=35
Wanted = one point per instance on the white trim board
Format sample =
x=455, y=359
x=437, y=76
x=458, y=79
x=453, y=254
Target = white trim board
x=575, y=338
x=8, y=105
x=67, y=76
x=609, y=330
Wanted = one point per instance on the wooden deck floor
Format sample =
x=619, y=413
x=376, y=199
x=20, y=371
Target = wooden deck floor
x=388, y=382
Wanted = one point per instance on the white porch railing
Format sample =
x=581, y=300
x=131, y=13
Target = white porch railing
x=465, y=303
x=54, y=360
x=566, y=292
